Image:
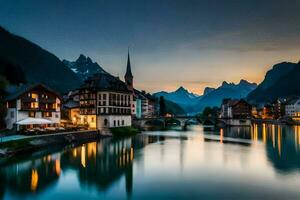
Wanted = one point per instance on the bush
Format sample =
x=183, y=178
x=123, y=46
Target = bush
x=124, y=131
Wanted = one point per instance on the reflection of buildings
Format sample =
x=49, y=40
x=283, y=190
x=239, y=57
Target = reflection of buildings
x=32, y=176
x=282, y=145
x=98, y=164
x=102, y=163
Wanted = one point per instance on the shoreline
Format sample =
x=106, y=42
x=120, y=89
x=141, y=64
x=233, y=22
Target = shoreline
x=34, y=143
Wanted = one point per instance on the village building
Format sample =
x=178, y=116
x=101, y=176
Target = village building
x=292, y=108
x=236, y=112
x=105, y=102
x=30, y=106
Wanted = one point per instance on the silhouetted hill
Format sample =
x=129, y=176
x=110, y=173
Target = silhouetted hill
x=38, y=65
x=84, y=67
x=174, y=108
x=281, y=81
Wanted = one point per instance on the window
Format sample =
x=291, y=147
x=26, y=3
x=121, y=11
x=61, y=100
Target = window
x=12, y=114
x=92, y=119
x=34, y=95
x=114, y=122
x=118, y=122
x=105, y=122
x=34, y=105
x=56, y=116
x=31, y=114
x=122, y=122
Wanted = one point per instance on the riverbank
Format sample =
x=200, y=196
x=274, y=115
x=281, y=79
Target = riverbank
x=33, y=143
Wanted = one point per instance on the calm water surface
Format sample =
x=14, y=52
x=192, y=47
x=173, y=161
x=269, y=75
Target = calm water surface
x=261, y=162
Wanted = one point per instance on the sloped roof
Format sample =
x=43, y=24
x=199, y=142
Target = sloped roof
x=105, y=81
x=15, y=92
x=71, y=104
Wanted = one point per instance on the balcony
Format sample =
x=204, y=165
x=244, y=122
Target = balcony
x=43, y=100
x=28, y=99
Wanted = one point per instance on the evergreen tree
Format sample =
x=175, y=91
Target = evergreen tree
x=162, y=106
x=3, y=84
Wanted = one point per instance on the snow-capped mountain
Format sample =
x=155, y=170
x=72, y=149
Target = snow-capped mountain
x=84, y=67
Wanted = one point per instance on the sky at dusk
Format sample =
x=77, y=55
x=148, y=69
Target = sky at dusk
x=190, y=43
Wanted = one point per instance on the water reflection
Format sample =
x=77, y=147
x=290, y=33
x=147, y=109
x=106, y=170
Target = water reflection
x=281, y=142
x=97, y=164
x=164, y=164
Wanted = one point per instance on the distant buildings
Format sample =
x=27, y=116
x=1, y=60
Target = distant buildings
x=31, y=106
x=292, y=107
x=236, y=112
x=236, y=109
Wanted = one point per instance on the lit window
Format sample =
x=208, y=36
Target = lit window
x=34, y=105
x=34, y=95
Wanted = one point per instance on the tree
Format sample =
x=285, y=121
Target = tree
x=162, y=106
x=209, y=112
x=3, y=85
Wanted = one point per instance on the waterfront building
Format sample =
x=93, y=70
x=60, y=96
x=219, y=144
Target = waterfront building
x=32, y=105
x=236, y=112
x=292, y=108
x=105, y=102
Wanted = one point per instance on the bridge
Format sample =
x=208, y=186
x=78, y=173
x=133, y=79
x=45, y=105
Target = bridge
x=182, y=121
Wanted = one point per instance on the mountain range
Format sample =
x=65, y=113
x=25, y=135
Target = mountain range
x=36, y=64
x=84, y=67
x=211, y=96
x=180, y=96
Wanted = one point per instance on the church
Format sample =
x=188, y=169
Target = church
x=105, y=101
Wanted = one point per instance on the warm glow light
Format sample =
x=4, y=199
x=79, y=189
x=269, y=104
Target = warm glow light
x=74, y=153
x=273, y=135
x=57, y=167
x=279, y=140
x=221, y=135
x=92, y=149
x=83, y=161
x=131, y=153
x=264, y=132
x=34, y=180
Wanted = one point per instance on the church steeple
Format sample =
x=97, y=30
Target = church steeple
x=128, y=76
x=128, y=69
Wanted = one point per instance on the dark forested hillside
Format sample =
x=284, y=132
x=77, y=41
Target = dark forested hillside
x=33, y=64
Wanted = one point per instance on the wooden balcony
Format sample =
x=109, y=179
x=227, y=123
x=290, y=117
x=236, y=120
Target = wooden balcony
x=43, y=100
x=28, y=99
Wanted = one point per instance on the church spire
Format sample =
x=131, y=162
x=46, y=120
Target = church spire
x=128, y=76
x=128, y=69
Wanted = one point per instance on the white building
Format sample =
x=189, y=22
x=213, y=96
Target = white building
x=292, y=108
x=36, y=102
x=105, y=102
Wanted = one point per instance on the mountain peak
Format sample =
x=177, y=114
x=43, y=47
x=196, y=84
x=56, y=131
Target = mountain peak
x=224, y=83
x=181, y=89
x=208, y=90
x=84, y=66
x=81, y=58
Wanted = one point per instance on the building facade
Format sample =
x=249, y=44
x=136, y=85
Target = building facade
x=236, y=112
x=292, y=108
x=36, y=101
x=105, y=102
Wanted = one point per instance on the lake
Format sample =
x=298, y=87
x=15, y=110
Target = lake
x=258, y=162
